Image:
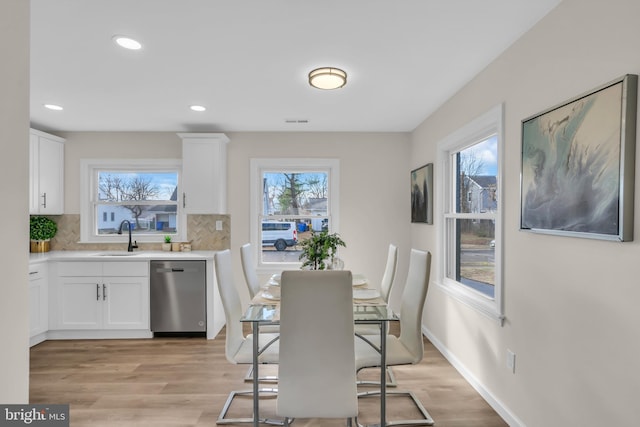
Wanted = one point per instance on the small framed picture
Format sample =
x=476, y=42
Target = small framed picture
x=422, y=194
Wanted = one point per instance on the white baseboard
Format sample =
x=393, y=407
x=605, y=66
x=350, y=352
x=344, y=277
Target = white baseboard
x=506, y=414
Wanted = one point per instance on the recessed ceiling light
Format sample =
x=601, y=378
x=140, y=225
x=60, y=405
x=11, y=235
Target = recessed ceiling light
x=53, y=107
x=327, y=78
x=198, y=108
x=127, y=42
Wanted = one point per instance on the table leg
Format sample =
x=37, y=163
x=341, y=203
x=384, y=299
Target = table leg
x=383, y=374
x=256, y=396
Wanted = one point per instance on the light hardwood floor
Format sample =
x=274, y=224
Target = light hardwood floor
x=180, y=382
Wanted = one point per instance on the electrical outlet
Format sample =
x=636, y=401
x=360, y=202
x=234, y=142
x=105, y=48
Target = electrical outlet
x=511, y=361
x=218, y=225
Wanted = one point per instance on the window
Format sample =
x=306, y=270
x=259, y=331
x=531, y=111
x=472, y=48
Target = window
x=470, y=208
x=290, y=199
x=142, y=192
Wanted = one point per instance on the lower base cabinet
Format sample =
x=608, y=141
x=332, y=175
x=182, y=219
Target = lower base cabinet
x=101, y=295
x=38, y=302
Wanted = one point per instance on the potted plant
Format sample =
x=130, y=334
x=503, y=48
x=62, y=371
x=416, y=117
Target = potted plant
x=319, y=251
x=41, y=231
x=166, y=246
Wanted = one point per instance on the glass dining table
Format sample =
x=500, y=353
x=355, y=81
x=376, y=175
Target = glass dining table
x=371, y=312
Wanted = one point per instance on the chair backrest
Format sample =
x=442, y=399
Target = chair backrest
x=389, y=272
x=230, y=302
x=413, y=299
x=317, y=373
x=250, y=276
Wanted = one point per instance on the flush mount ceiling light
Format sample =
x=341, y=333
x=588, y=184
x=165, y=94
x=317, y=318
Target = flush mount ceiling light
x=53, y=107
x=327, y=78
x=198, y=108
x=127, y=42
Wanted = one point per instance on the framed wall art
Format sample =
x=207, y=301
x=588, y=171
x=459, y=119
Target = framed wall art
x=578, y=165
x=422, y=194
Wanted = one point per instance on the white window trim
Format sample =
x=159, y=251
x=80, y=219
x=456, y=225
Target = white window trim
x=488, y=124
x=258, y=166
x=87, y=184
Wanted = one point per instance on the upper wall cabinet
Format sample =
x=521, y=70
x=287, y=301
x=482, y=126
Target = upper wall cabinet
x=204, y=173
x=46, y=174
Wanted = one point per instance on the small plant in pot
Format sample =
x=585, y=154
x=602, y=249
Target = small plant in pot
x=41, y=231
x=319, y=251
x=166, y=246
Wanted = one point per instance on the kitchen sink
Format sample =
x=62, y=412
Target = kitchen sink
x=117, y=253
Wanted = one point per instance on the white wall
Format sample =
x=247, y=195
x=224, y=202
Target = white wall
x=571, y=304
x=374, y=191
x=111, y=145
x=374, y=183
x=14, y=188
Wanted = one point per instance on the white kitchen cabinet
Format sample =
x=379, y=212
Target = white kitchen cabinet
x=46, y=174
x=102, y=295
x=38, y=302
x=204, y=173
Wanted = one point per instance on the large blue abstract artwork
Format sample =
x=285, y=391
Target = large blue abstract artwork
x=577, y=162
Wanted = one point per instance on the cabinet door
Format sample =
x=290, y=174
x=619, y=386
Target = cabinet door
x=34, y=176
x=51, y=179
x=38, y=299
x=79, y=303
x=126, y=303
x=38, y=307
x=204, y=173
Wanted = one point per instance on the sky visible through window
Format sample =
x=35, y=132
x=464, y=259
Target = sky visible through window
x=487, y=152
x=113, y=185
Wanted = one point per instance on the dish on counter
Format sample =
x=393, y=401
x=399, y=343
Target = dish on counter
x=366, y=294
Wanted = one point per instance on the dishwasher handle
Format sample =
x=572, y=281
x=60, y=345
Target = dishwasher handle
x=170, y=270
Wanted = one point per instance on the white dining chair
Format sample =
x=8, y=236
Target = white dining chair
x=253, y=286
x=239, y=348
x=389, y=272
x=317, y=373
x=385, y=286
x=385, y=292
x=250, y=275
x=408, y=348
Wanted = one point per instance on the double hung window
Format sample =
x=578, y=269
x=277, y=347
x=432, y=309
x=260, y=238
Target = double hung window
x=470, y=237
x=290, y=200
x=139, y=194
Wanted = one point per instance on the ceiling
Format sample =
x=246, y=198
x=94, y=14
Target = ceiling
x=247, y=61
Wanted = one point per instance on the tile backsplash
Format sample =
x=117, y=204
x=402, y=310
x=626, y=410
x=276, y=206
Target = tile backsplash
x=201, y=232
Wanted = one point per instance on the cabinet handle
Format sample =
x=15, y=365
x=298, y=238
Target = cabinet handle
x=104, y=292
x=44, y=200
x=184, y=200
x=97, y=292
x=32, y=272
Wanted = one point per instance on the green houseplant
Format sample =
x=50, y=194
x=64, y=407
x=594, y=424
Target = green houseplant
x=166, y=246
x=319, y=251
x=41, y=231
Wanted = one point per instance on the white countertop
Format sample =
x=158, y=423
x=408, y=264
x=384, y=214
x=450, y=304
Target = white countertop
x=97, y=255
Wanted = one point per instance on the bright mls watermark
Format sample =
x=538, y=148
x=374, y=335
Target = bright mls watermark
x=34, y=415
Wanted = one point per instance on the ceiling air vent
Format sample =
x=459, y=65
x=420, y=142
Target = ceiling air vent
x=296, y=121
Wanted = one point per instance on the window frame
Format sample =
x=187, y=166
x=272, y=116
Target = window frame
x=479, y=129
x=88, y=168
x=260, y=165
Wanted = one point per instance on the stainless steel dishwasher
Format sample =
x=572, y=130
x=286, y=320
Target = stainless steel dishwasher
x=178, y=296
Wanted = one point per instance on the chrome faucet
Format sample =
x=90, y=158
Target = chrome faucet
x=131, y=246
